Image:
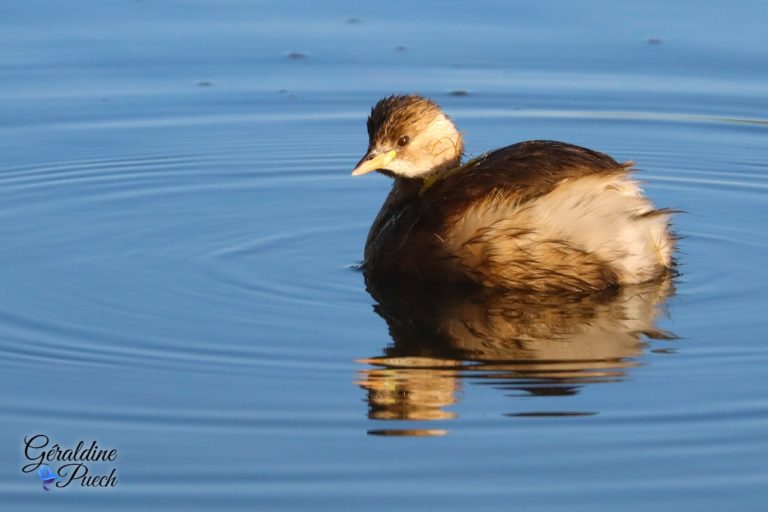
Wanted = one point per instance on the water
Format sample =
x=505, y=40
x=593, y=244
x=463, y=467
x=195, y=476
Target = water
x=179, y=233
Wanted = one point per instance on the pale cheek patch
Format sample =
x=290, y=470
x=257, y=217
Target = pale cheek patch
x=438, y=144
x=446, y=139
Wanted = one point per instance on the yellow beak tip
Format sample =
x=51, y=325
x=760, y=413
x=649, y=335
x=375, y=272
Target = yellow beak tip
x=377, y=162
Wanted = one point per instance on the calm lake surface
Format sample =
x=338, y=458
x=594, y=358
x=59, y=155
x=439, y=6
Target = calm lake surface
x=179, y=235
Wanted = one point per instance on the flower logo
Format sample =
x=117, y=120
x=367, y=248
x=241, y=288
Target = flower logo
x=46, y=476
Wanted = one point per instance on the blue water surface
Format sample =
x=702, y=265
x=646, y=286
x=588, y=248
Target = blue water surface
x=179, y=234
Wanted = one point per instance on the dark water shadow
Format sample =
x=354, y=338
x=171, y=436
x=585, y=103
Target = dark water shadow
x=524, y=345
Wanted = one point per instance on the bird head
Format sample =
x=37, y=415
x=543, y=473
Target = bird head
x=410, y=137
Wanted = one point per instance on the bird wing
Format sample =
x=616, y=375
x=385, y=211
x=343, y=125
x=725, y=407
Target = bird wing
x=524, y=171
x=546, y=214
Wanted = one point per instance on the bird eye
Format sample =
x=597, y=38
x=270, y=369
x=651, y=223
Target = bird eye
x=402, y=141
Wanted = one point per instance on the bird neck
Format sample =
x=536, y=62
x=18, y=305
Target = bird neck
x=411, y=186
x=405, y=189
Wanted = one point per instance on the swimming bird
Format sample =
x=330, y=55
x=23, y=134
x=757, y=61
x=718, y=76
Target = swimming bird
x=541, y=216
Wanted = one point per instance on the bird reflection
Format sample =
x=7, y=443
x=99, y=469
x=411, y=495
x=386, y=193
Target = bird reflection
x=522, y=344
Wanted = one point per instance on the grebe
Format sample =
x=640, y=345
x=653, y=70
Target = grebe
x=538, y=215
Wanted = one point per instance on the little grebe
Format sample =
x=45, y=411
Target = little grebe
x=537, y=215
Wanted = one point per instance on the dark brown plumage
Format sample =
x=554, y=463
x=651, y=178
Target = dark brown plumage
x=538, y=215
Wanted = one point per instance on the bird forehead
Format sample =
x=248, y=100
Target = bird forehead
x=394, y=122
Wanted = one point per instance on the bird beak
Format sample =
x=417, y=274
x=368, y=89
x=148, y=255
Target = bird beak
x=372, y=161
